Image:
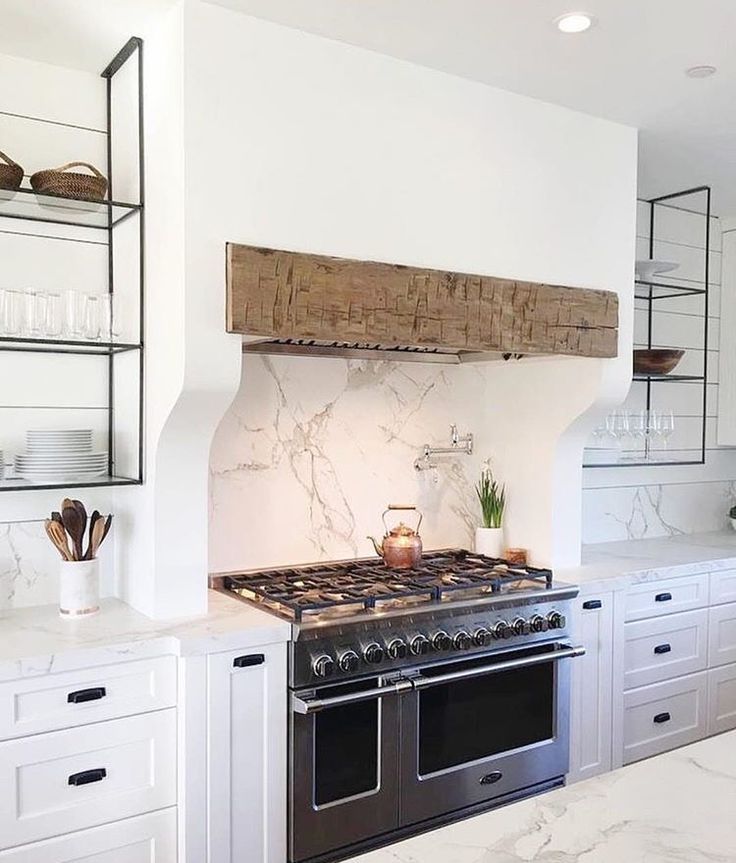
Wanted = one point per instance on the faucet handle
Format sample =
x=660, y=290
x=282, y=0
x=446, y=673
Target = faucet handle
x=454, y=436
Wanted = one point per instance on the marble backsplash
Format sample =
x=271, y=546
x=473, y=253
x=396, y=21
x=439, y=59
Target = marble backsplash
x=312, y=451
x=28, y=565
x=637, y=512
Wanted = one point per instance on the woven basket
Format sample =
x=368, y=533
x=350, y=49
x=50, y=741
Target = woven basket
x=55, y=181
x=11, y=174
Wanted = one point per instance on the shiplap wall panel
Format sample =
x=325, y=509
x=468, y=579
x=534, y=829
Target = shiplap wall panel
x=727, y=359
x=53, y=265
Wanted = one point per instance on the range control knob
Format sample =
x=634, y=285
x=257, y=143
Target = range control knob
x=557, y=620
x=323, y=665
x=462, y=640
x=521, y=626
x=539, y=623
x=396, y=648
x=441, y=641
x=502, y=630
x=348, y=661
x=482, y=637
x=419, y=645
x=373, y=653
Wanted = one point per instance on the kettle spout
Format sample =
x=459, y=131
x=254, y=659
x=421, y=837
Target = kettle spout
x=378, y=548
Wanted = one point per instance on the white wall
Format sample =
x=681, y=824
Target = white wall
x=330, y=149
x=635, y=502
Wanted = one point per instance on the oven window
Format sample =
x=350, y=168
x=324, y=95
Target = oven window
x=472, y=719
x=345, y=751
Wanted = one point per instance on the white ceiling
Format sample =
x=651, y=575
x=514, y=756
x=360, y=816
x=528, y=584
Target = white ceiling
x=629, y=67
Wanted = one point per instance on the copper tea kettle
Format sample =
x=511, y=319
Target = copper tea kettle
x=401, y=547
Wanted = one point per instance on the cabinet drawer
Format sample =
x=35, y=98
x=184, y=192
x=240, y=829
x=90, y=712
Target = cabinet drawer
x=723, y=586
x=69, y=780
x=145, y=839
x=664, y=716
x=665, y=647
x=722, y=699
x=722, y=635
x=666, y=597
x=37, y=704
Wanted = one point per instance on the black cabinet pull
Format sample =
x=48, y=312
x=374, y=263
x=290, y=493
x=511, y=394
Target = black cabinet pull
x=87, y=776
x=491, y=778
x=663, y=597
x=82, y=695
x=663, y=648
x=662, y=717
x=592, y=603
x=251, y=659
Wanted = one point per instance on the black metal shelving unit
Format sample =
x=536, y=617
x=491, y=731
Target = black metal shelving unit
x=105, y=217
x=653, y=291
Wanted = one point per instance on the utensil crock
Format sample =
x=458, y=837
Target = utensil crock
x=79, y=588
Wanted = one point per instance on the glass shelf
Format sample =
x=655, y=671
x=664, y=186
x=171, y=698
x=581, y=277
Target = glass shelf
x=62, y=346
x=670, y=379
x=663, y=290
x=16, y=484
x=57, y=210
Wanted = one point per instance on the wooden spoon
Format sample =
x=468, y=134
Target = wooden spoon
x=108, y=525
x=57, y=535
x=73, y=524
x=80, y=508
x=93, y=519
x=97, y=533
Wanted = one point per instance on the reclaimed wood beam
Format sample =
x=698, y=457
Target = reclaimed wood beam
x=291, y=295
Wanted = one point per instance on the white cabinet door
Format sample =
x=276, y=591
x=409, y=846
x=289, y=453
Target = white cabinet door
x=145, y=839
x=722, y=586
x=591, y=713
x=722, y=699
x=246, y=763
x=722, y=635
x=665, y=647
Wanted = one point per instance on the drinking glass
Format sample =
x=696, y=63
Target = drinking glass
x=35, y=313
x=92, y=319
x=74, y=313
x=666, y=426
x=12, y=313
x=54, y=316
x=109, y=328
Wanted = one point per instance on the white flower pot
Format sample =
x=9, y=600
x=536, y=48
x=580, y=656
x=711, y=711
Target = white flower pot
x=733, y=522
x=79, y=588
x=489, y=541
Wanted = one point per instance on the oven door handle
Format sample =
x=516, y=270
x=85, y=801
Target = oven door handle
x=306, y=706
x=508, y=665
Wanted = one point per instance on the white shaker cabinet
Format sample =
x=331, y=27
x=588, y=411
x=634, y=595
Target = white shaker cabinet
x=592, y=681
x=246, y=758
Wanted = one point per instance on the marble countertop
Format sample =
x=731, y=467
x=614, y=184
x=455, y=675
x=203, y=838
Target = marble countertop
x=36, y=640
x=675, y=808
x=652, y=559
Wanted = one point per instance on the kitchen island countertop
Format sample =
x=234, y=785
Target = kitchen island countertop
x=679, y=807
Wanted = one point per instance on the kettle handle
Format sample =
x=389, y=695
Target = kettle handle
x=392, y=507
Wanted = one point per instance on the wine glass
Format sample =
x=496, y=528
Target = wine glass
x=666, y=426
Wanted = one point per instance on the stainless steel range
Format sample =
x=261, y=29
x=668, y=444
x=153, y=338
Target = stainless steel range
x=417, y=696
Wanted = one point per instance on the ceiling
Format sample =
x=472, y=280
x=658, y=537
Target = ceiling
x=629, y=67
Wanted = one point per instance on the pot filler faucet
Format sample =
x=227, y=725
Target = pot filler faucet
x=458, y=445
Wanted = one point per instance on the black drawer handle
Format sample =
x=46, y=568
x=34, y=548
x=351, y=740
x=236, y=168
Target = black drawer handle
x=82, y=695
x=87, y=776
x=592, y=603
x=663, y=597
x=491, y=778
x=662, y=717
x=663, y=648
x=247, y=661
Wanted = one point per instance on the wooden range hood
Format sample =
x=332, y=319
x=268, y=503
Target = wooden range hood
x=290, y=302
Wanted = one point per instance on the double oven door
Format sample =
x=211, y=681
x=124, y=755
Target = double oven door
x=379, y=755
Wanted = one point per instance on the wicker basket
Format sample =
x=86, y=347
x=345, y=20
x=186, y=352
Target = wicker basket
x=11, y=174
x=55, y=181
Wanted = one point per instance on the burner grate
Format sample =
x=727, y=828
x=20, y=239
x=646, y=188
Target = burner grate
x=354, y=586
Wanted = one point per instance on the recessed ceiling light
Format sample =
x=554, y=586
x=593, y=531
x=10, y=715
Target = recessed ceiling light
x=700, y=71
x=574, y=22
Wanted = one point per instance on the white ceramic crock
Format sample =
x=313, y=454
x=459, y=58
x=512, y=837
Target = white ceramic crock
x=79, y=588
x=489, y=541
x=733, y=523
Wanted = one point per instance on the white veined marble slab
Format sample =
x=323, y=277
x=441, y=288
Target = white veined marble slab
x=679, y=807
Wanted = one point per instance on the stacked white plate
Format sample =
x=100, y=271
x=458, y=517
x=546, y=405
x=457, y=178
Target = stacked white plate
x=59, y=455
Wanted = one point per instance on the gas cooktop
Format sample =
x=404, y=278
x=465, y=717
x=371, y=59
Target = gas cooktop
x=349, y=588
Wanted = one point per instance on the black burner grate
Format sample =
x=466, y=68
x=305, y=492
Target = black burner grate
x=354, y=586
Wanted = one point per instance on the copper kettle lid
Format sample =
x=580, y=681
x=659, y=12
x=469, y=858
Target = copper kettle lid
x=402, y=529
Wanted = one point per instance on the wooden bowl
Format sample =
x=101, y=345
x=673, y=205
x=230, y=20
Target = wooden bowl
x=657, y=361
